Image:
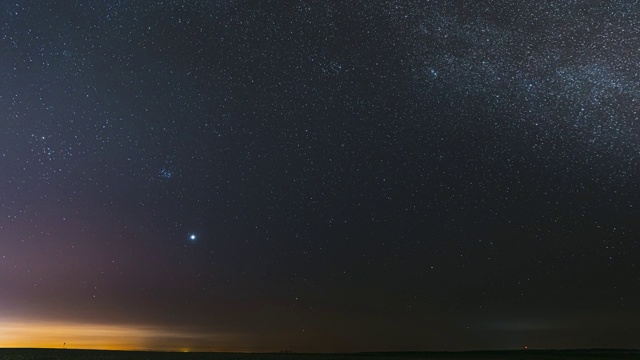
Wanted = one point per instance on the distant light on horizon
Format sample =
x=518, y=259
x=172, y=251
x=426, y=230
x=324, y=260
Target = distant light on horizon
x=100, y=337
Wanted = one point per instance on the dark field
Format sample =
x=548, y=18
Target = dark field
x=51, y=354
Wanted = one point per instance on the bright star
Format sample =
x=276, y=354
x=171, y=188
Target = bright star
x=192, y=236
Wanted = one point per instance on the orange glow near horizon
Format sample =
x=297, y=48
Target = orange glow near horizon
x=97, y=336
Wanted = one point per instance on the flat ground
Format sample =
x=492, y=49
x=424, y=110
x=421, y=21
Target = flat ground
x=59, y=354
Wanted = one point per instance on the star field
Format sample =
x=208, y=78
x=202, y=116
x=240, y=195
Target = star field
x=320, y=175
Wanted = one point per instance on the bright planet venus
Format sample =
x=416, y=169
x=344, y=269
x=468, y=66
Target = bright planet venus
x=319, y=175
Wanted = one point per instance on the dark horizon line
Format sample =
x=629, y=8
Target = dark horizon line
x=355, y=353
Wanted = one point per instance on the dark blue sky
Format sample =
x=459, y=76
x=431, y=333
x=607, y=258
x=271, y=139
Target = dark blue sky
x=356, y=175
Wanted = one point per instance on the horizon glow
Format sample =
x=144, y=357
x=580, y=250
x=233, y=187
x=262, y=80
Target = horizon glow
x=45, y=334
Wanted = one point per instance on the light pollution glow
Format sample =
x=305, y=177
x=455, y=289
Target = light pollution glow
x=98, y=336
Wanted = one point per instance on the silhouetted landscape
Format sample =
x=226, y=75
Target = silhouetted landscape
x=51, y=354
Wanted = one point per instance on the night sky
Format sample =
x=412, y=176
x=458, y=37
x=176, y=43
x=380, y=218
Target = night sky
x=319, y=175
